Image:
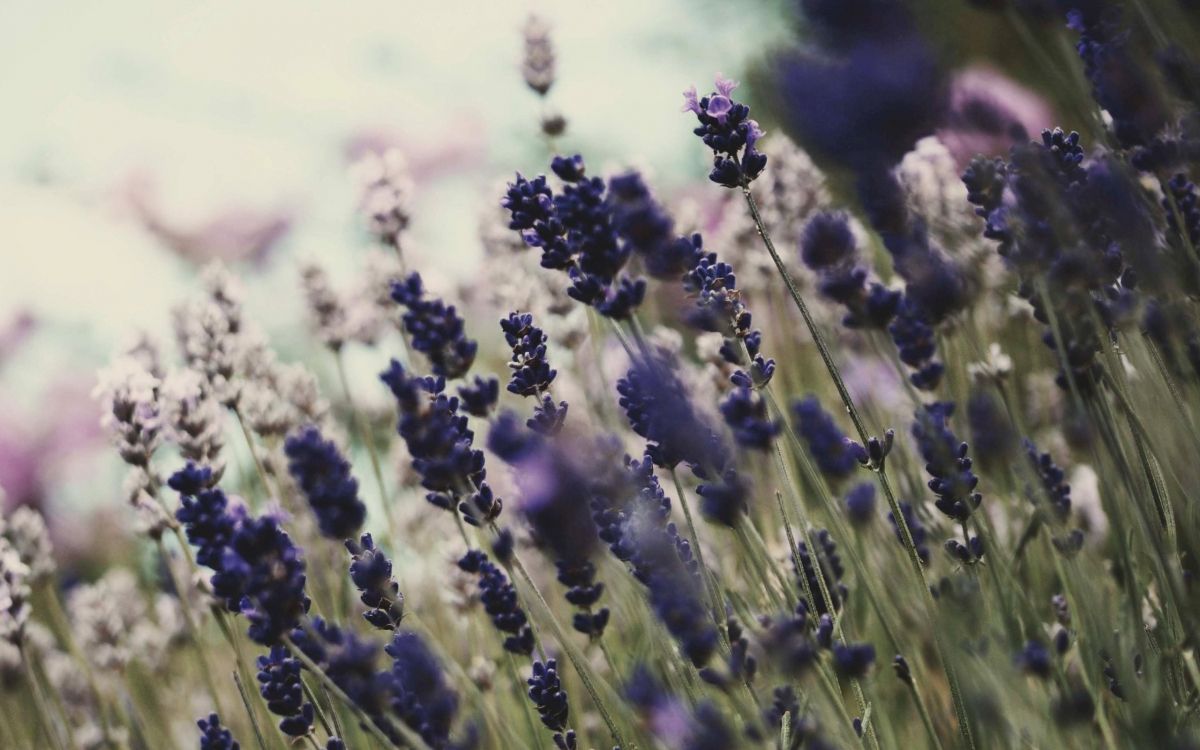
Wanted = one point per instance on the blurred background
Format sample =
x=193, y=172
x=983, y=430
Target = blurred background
x=143, y=139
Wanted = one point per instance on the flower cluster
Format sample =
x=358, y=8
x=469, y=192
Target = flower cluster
x=831, y=572
x=531, y=372
x=213, y=736
x=441, y=445
x=279, y=683
x=946, y=461
x=371, y=572
x=262, y=576
x=660, y=410
x=575, y=231
x=726, y=128
x=435, y=328
x=836, y=456
x=828, y=248
x=205, y=513
x=499, y=599
x=267, y=570
x=324, y=477
x=550, y=700
x=419, y=693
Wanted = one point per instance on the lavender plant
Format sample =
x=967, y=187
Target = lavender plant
x=696, y=558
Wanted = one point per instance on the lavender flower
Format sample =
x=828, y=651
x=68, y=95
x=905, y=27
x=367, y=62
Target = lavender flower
x=213, y=736
x=279, y=683
x=129, y=397
x=550, y=477
x=1120, y=85
x=349, y=662
x=500, y=602
x=831, y=570
x=726, y=128
x=531, y=371
x=386, y=195
x=193, y=419
x=868, y=102
x=913, y=336
x=860, y=504
x=324, y=477
x=25, y=529
x=853, y=659
x=676, y=591
x=371, y=572
x=550, y=700
x=659, y=409
x=745, y=413
x=436, y=329
x=643, y=225
x=262, y=577
x=828, y=247
x=330, y=318
x=946, y=461
x=656, y=403
x=205, y=514
x=1034, y=658
x=420, y=695
x=1182, y=209
x=479, y=397
x=1055, y=489
x=15, y=594
x=441, y=445
x=836, y=456
x=575, y=231
x=916, y=530
x=634, y=520
x=537, y=68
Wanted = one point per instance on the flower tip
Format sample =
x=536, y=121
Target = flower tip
x=691, y=102
x=725, y=86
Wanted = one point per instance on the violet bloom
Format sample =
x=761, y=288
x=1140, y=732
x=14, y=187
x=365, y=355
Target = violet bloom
x=726, y=128
x=324, y=478
x=262, y=576
x=436, y=329
x=576, y=230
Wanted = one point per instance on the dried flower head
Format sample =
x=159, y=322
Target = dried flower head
x=537, y=67
x=193, y=419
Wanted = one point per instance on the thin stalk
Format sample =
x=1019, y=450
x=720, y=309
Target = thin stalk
x=361, y=425
x=39, y=700
x=258, y=735
x=586, y=675
x=718, y=610
x=934, y=741
x=258, y=464
x=774, y=597
x=192, y=628
x=312, y=698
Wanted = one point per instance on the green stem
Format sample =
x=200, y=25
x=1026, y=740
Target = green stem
x=361, y=425
x=258, y=464
x=586, y=675
x=714, y=595
x=258, y=735
x=39, y=700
